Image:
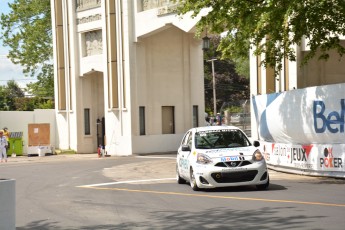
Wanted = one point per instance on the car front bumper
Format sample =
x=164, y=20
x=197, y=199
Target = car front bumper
x=210, y=176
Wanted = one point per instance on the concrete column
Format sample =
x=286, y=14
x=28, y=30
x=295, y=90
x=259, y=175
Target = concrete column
x=7, y=204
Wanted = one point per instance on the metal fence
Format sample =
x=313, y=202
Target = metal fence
x=237, y=114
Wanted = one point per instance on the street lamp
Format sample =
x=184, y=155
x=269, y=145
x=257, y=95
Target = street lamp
x=214, y=87
x=98, y=122
x=205, y=43
x=205, y=47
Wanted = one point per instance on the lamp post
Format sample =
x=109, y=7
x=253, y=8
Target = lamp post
x=205, y=47
x=98, y=122
x=214, y=87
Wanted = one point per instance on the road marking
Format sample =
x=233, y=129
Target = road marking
x=211, y=196
x=149, y=157
x=123, y=182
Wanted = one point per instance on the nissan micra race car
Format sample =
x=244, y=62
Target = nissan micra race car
x=220, y=156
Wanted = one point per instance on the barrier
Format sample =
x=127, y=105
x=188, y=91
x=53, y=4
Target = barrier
x=8, y=204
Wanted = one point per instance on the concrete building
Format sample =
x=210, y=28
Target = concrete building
x=128, y=75
x=293, y=75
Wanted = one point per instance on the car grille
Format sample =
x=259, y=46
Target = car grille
x=234, y=177
x=232, y=164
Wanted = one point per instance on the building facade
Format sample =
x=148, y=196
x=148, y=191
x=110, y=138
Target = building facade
x=128, y=75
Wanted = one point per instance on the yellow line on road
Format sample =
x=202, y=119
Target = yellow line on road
x=218, y=197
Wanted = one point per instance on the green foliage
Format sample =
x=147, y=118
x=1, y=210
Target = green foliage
x=12, y=98
x=231, y=86
x=8, y=94
x=272, y=27
x=44, y=87
x=234, y=109
x=31, y=103
x=28, y=34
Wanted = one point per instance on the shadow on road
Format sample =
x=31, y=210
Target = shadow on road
x=221, y=218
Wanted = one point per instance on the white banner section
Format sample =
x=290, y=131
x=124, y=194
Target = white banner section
x=313, y=159
x=303, y=130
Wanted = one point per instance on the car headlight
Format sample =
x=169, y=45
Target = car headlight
x=203, y=159
x=257, y=156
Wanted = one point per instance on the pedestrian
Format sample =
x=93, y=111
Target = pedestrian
x=3, y=146
x=208, y=121
x=7, y=135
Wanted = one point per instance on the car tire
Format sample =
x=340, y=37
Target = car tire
x=262, y=187
x=192, y=180
x=179, y=179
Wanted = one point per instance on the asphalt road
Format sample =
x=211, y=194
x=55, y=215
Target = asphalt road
x=87, y=192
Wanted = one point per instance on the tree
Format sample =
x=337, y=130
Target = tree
x=231, y=87
x=28, y=34
x=31, y=103
x=8, y=95
x=272, y=27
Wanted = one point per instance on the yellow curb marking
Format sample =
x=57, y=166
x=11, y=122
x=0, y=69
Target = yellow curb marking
x=218, y=197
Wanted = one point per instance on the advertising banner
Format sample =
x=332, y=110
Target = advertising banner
x=303, y=129
x=303, y=116
x=312, y=159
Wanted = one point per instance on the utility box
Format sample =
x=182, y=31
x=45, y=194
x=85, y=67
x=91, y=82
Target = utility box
x=16, y=144
x=39, y=139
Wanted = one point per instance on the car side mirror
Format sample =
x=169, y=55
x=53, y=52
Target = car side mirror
x=185, y=148
x=256, y=143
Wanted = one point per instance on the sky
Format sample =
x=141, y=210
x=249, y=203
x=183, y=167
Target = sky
x=8, y=70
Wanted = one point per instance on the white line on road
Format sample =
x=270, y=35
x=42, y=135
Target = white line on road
x=153, y=157
x=124, y=182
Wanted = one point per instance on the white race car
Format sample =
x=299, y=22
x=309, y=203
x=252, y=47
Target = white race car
x=220, y=156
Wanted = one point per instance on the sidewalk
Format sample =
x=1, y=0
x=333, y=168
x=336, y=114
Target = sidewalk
x=49, y=158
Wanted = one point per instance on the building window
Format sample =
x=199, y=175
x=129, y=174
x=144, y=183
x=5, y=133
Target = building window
x=87, y=130
x=195, y=116
x=168, y=120
x=142, y=120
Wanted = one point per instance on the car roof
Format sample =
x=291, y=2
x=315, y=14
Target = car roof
x=220, y=127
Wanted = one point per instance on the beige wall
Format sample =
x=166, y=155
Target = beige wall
x=18, y=121
x=321, y=72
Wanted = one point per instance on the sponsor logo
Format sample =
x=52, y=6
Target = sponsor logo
x=329, y=161
x=300, y=154
x=183, y=163
x=292, y=154
x=234, y=158
x=333, y=122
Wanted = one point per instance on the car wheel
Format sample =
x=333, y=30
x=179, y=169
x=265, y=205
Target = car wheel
x=193, y=183
x=179, y=179
x=262, y=187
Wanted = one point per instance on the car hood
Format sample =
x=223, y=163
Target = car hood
x=228, y=152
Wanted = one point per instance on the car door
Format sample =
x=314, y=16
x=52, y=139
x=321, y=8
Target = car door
x=183, y=154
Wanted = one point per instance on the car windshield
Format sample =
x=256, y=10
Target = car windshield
x=225, y=138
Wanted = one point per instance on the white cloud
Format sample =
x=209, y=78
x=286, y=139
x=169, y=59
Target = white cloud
x=10, y=71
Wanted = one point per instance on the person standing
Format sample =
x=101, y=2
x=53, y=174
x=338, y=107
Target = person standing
x=7, y=135
x=3, y=146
